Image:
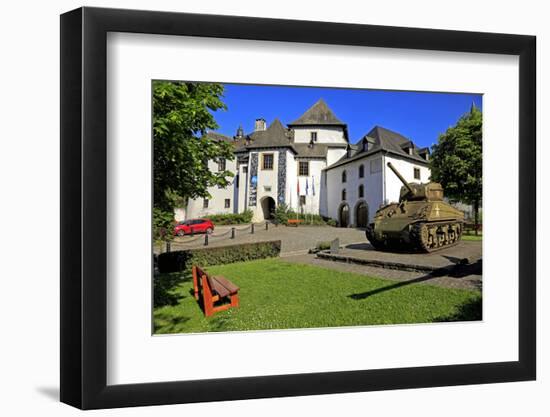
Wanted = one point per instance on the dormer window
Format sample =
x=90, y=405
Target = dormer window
x=424, y=153
x=313, y=137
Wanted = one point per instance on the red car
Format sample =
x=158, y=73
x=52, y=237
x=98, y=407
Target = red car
x=189, y=227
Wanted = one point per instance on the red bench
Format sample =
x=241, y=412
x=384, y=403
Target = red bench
x=218, y=293
x=293, y=222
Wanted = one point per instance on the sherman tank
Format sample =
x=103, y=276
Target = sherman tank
x=420, y=222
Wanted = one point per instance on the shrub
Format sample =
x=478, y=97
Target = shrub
x=332, y=222
x=281, y=213
x=322, y=245
x=183, y=260
x=232, y=218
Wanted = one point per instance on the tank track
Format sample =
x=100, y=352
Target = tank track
x=369, y=232
x=430, y=237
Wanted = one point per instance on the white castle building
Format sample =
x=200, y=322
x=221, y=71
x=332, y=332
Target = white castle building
x=310, y=166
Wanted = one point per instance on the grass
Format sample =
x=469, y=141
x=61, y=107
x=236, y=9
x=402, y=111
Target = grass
x=472, y=238
x=279, y=295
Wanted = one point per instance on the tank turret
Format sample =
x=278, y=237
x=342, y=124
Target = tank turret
x=421, y=221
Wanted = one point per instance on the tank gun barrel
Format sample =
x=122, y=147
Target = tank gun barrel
x=405, y=183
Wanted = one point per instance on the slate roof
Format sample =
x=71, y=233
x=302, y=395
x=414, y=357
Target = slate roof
x=237, y=143
x=275, y=136
x=304, y=150
x=382, y=140
x=320, y=114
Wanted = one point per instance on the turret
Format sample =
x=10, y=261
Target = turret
x=405, y=183
x=431, y=191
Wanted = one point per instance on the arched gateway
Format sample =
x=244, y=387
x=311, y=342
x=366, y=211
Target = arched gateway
x=343, y=215
x=268, y=208
x=361, y=214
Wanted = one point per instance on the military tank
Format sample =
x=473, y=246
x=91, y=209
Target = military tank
x=420, y=222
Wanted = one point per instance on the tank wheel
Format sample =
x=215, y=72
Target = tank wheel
x=369, y=233
x=429, y=238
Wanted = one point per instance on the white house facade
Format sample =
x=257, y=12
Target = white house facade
x=310, y=166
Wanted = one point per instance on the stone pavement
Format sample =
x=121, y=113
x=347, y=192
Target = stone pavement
x=464, y=253
x=462, y=277
x=293, y=239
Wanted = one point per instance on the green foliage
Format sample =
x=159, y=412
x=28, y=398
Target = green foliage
x=183, y=260
x=283, y=213
x=182, y=114
x=281, y=295
x=232, y=218
x=332, y=222
x=163, y=225
x=456, y=160
x=322, y=245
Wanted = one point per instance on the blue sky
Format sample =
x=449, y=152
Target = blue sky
x=416, y=115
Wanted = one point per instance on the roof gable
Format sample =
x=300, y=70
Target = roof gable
x=318, y=115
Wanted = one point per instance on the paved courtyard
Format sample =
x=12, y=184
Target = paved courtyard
x=363, y=253
x=293, y=239
x=464, y=276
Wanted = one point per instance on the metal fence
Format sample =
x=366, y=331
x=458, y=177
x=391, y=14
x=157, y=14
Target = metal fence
x=232, y=233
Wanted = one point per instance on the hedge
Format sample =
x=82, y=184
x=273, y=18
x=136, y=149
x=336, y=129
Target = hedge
x=231, y=218
x=183, y=260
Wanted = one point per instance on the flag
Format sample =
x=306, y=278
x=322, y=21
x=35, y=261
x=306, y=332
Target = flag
x=298, y=186
x=307, y=187
x=312, y=185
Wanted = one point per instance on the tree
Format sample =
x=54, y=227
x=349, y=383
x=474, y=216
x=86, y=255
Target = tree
x=182, y=115
x=456, y=160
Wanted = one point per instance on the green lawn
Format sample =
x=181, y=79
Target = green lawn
x=279, y=295
x=472, y=237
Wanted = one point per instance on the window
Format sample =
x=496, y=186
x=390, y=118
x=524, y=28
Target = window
x=227, y=203
x=267, y=161
x=361, y=191
x=245, y=169
x=344, y=176
x=417, y=173
x=314, y=136
x=361, y=171
x=205, y=203
x=221, y=164
x=302, y=200
x=344, y=194
x=303, y=168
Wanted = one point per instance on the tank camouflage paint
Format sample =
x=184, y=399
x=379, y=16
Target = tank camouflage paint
x=422, y=221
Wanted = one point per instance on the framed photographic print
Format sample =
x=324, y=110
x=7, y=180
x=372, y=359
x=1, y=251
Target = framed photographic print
x=257, y=208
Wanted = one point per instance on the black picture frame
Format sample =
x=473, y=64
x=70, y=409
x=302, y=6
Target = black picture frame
x=84, y=207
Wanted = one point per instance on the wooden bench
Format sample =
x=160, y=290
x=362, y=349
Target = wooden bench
x=218, y=293
x=293, y=222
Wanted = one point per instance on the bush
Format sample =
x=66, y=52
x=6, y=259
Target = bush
x=332, y=222
x=322, y=245
x=183, y=260
x=232, y=218
x=283, y=213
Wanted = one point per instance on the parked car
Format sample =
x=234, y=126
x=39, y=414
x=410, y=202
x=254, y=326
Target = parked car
x=192, y=226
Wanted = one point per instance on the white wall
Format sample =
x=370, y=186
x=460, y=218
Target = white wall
x=266, y=178
x=372, y=183
x=216, y=204
x=30, y=162
x=334, y=154
x=302, y=134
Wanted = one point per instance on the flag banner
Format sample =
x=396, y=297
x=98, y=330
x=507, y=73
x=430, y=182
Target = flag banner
x=312, y=185
x=307, y=187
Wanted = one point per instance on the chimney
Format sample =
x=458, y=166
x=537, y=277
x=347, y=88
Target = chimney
x=259, y=125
